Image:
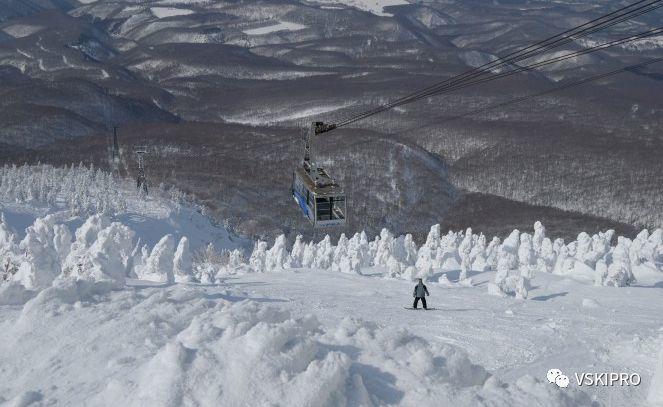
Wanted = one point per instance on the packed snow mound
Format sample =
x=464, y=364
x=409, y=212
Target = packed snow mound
x=175, y=345
x=515, y=260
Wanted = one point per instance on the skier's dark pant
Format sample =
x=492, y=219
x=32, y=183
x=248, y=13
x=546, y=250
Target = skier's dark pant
x=423, y=302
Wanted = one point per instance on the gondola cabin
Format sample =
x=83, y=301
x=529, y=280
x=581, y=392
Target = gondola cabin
x=320, y=198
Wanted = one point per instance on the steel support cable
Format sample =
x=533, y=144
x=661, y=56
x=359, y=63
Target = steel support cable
x=524, y=54
x=545, y=62
x=593, y=26
x=464, y=84
x=434, y=90
x=553, y=90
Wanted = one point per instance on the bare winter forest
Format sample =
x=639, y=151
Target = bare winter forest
x=219, y=92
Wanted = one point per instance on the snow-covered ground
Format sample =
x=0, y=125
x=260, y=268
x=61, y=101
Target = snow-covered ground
x=165, y=12
x=275, y=115
x=21, y=30
x=372, y=6
x=113, y=309
x=565, y=325
x=280, y=26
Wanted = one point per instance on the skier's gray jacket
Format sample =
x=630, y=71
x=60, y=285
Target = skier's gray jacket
x=420, y=290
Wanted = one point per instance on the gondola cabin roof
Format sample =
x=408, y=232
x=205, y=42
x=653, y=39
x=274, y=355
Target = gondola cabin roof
x=326, y=185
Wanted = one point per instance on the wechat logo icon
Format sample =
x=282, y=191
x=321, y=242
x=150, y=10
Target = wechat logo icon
x=556, y=376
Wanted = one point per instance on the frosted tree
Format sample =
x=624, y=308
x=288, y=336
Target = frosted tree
x=308, y=258
x=235, y=259
x=464, y=251
x=508, y=281
x=538, y=238
x=492, y=253
x=547, y=257
x=565, y=262
x=394, y=268
x=41, y=264
x=428, y=251
x=296, y=254
x=364, y=248
x=341, y=250
x=258, y=257
x=478, y=254
x=526, y=255
x=108, y=258
x=498, y=285
x=62, y=241
x=410, y=250
x=324, y=254
x=647, y=249
x=182, y=262
x=85, y=235
x=206, y=263
x=277, y=255
x=357, y=250
x=383, y=252
x=465, y=267
x=448, y=249
x=619, y=269
x=601, y=272
x=159, y=266
x=9, y=258
x=139, y=258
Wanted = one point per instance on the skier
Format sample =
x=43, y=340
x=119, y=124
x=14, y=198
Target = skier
x=420, y=292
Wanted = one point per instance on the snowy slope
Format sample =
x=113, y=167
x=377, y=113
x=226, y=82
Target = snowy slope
x=74, y=193
x=280, y=26
x=193, y=345
x=92, y=315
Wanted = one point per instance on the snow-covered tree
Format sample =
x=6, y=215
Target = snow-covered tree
x=159, y=266
x=258, y=257
x=41, y=264
x=619, y=269
x=276, y=257
x=109, y=257
x=182, y=262
x=297, y=254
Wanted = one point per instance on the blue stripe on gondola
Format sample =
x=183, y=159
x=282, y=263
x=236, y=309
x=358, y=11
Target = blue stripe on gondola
x=302, y=203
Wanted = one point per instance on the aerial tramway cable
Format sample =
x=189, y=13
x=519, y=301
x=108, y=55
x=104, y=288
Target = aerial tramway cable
x=545, y=62
x=541, y=47
x=553, y=90
x=322, y=199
